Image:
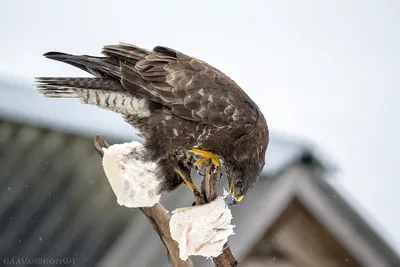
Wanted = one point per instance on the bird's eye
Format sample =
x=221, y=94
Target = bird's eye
x=239, y=183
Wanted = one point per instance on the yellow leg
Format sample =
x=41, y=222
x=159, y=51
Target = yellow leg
x=206, y=156
x=188, y=180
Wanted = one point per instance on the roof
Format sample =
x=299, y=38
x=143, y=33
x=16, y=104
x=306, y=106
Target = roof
x=327, y=206
x=54, y=198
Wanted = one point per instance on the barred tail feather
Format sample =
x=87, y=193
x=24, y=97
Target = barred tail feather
x=59, y=92
x=95, y=91
x=74, y=82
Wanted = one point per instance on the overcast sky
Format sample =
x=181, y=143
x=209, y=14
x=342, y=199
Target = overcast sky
x=329, y=72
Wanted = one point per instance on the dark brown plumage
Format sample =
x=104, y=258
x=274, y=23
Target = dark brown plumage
x=177, y=103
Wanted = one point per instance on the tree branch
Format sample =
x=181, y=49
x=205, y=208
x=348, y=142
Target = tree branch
x=209, y=191
x=159, y=217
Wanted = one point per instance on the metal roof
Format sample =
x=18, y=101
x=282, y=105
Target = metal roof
x=54, y=199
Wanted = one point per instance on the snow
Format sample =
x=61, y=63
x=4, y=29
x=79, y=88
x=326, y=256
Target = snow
x=133, y=181
x=202, y=230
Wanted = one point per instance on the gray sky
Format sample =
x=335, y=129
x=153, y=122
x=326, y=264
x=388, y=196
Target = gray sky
x=329, y=72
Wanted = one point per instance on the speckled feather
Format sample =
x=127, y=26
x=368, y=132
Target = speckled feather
x=176, y=101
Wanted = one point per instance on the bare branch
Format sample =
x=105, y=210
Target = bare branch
x=158, y=217
x=209, y=190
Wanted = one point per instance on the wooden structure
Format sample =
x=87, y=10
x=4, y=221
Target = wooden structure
x=310, y=225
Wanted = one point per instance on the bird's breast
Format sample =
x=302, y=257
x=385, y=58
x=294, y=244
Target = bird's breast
x=185, y=158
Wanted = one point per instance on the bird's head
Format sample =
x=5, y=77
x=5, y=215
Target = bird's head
x=247, y=161
x=242, y=178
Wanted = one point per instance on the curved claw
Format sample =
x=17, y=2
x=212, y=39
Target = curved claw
x=207, y=158
x=198, y=171
x=234, y=202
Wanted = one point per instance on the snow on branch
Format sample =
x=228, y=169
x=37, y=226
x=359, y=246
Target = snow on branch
x=195, y=230
x=202, y=230
x=133, y=181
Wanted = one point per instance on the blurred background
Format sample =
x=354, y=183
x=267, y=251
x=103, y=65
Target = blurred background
x=325, y=74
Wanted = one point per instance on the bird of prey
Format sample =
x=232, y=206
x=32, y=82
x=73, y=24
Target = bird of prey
x=187, y=111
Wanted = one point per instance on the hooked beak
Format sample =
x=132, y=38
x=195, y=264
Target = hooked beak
x=232, y=192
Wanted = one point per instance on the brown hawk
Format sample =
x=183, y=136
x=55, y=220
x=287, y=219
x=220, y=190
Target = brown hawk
x=187, y=111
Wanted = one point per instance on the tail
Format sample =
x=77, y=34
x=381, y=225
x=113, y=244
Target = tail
x=105, y=89
x=69, y=86
x=97, y=66
x=105, y=93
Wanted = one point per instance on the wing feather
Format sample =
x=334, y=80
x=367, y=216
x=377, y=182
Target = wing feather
x=193, y=89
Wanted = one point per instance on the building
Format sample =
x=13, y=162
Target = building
x=56, y=202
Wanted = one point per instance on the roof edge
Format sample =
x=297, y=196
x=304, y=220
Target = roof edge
x=315, y=194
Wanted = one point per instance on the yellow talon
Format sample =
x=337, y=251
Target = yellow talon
x=200, y=163
x=205, y=156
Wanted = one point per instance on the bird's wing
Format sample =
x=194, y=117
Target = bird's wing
x=193, y=89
